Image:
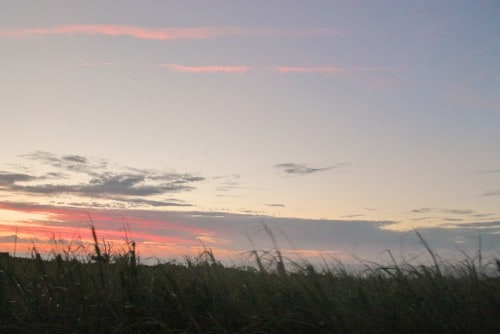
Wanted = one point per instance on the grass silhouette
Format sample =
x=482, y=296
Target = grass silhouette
x=114, y=293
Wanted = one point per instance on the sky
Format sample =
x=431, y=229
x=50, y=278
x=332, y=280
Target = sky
x=340, y=126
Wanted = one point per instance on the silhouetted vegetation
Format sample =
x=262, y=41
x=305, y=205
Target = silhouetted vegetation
x=114, y=293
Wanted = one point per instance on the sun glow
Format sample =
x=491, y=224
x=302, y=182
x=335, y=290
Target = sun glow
x=19, y=218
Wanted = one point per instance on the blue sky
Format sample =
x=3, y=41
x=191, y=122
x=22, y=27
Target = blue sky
x=319, y=118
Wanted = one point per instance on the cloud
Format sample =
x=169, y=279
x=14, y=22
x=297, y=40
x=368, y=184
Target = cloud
x=492, y=193
x=164, y=231
x=163, y=34
x=302, y=169
x=353, y=216
x=421, y=210
x=458, y=212
x=44, y=157
x=73, y=163
x=227, y=184
x=483, y=215
x=125, y=30
x=426, y=218
x=119, y=184
x=488, y=171
x=491, y=224
x=114, y=184
x=442, y=215
x=8, y=179
x=141, y=202
x=13, y=238
x=277, y=205
x=207, y=69
x=70, y=223
x=55, y=175
x=75, y=158
x=446, y=211
x=479, y=228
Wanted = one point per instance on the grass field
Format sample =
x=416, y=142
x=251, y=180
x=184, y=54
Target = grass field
x=114, y=293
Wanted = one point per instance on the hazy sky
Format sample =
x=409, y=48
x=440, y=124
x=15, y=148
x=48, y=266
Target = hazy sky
x=341, y=125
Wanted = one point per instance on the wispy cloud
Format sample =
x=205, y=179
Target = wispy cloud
x=491, y=224
x=327, y=69
x=109, y=184
x=353, y=216
x=488, y=171
x=276, y=205
x=75, y=158
x=446, y=211
x=117, y=184
x=162, y=34
x=8, y=178
x=289, y=168
x=71, y=163
x=440, y=215
x=142, y=202
x=240, y=69
x=129, y=31
x=492, y=193
x=483, y=215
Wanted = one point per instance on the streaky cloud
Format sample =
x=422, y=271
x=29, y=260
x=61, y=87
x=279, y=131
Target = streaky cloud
x=163, y=34
x=126, y=30
x=75, y=158
x=140, y=201
x=8, y=178
x=446, y=211
x=490, y=224
x=353, y=216
x=101, y=181
x=483, y=215
x=131, y=185
x=276, y=205
x=240, y=69
x=459, y=212
x=422, y=210
x=73, y=163
x=289, y=168
x=488, y=171
x=492, y=193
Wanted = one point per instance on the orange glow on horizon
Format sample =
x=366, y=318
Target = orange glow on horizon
x=66, y=225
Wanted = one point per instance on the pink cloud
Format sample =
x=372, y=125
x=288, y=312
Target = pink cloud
x=157, y=234
x=110, y=223
x=123, y=30
x=173, y=33
x=207, y=69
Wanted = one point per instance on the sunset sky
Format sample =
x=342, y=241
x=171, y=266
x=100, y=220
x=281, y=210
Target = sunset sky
x=340, y=125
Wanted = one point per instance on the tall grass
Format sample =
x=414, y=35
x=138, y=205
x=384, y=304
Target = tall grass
x=115, y=293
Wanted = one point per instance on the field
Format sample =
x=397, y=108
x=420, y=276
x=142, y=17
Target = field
x=115, y=293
